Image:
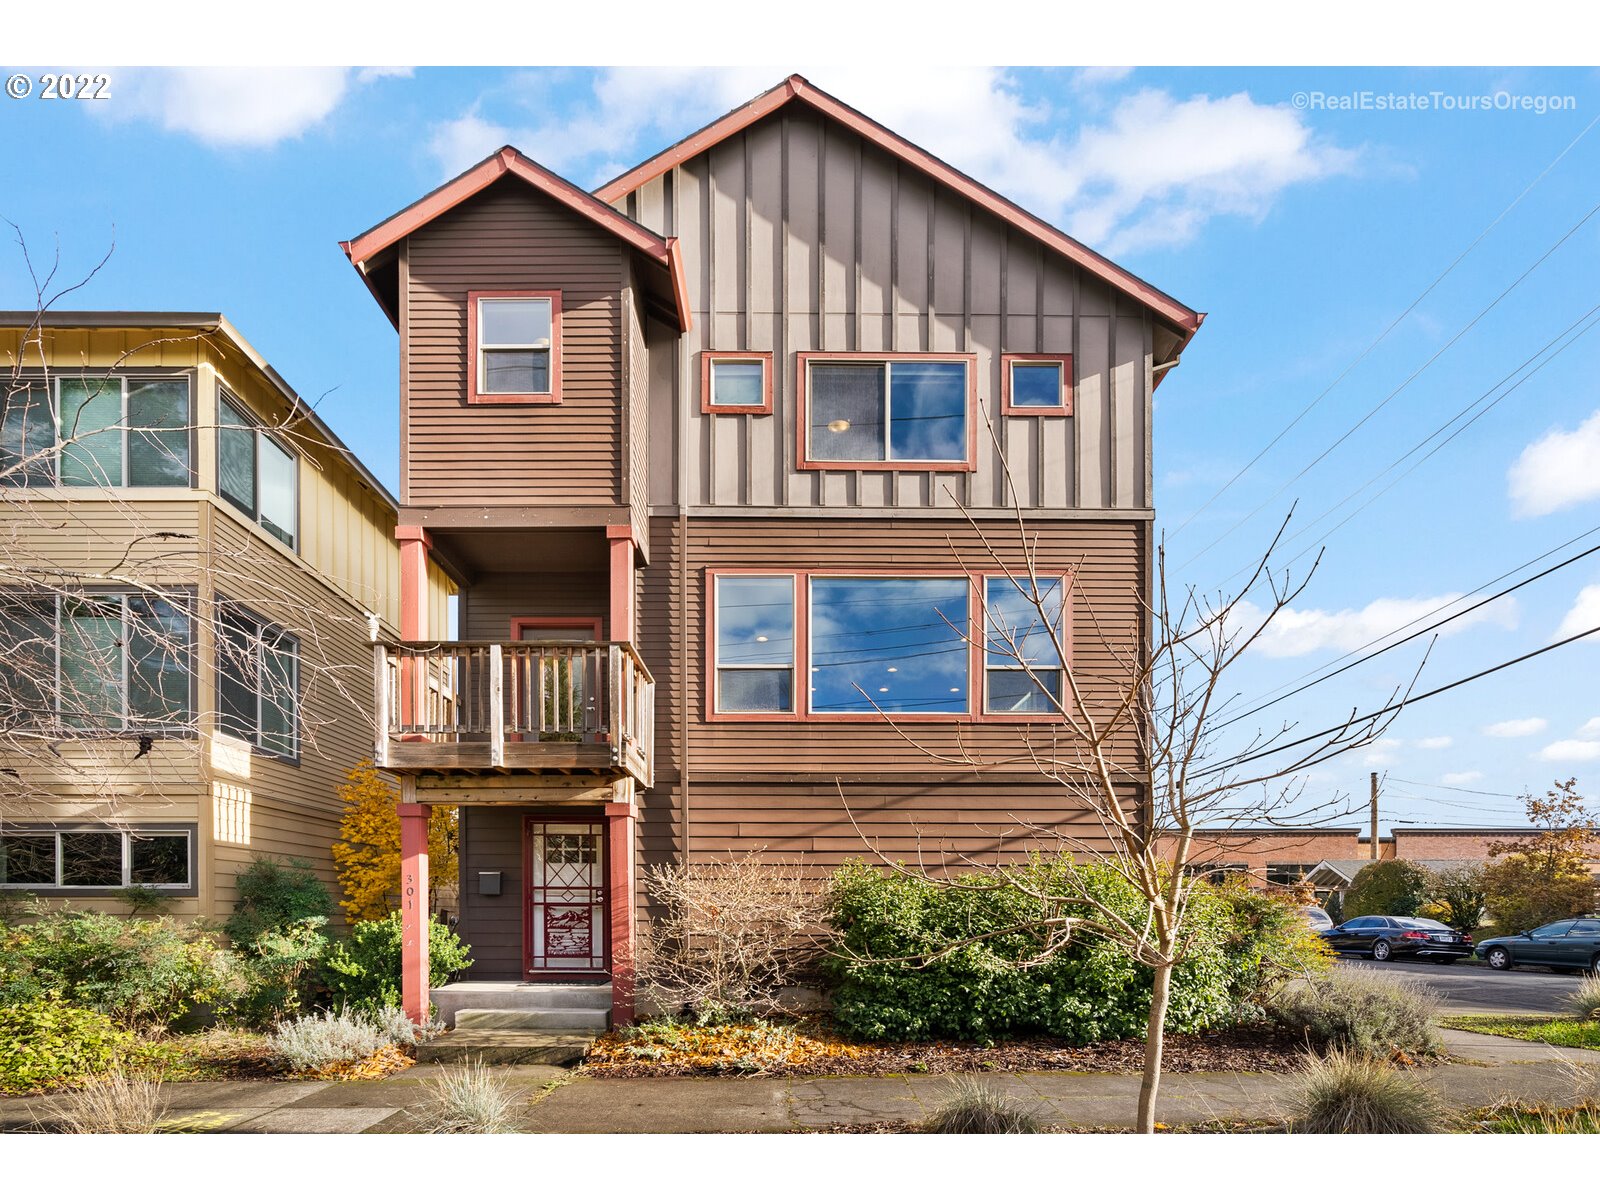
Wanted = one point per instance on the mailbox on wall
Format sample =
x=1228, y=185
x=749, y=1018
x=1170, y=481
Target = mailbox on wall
x=489, y=883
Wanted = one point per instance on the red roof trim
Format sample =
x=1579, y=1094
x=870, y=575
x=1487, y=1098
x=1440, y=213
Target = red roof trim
x=796, y=87
x=509, y=161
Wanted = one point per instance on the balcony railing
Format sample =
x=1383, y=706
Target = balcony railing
x=519, y=705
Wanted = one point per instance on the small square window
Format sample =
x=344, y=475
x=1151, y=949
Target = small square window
x=1037, y=384
x=515, y=347
x=736, y=382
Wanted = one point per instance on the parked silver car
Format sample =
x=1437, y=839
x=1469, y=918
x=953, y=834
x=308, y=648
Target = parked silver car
x=1317, y=918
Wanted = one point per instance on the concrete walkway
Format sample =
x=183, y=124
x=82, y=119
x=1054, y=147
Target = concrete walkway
x=1485, y=1069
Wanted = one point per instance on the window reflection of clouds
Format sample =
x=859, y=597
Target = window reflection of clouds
x=928, y=411
x=755, y=620
x=901, y=641
x=1016, y=637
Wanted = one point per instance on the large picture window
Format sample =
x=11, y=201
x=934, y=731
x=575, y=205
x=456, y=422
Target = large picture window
x=255, y=473
x=755, y=646
x=111, y=431
x=258, y=682
x=46, y=859
x=515, y=347
x=96, y=663
x=892, y=645
x=913, y=411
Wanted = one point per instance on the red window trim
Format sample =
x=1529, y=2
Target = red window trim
x=709, y=357
x=977, y=685
x=553, y=396
x=1064, y=409
x=803, y=462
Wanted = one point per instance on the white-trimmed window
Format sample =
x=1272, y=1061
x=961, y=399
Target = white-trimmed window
x=99, y=663
x=256, y=473
x=515, y=347
x=109, y=431
x=96, y=857
x=1023, y=672
x=258, y=681
x=908, y=411
x=754, y=643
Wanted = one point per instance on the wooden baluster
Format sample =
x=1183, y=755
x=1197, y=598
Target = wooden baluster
x=497, y=735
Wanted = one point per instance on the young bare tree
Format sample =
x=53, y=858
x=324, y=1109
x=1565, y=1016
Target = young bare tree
x=1135, y=750
x=114, y=595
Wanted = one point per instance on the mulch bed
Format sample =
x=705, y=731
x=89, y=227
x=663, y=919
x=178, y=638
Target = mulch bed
x=816, y=1050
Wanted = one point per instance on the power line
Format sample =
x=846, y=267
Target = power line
x=1449, y=788
x=1407, y=382
x=1406, y=703
x=1537, y=179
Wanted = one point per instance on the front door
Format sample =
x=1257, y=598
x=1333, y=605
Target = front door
x=565, y=918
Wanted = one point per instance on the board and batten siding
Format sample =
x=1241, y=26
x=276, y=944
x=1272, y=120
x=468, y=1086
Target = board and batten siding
x=509, y=238
x=797, y=235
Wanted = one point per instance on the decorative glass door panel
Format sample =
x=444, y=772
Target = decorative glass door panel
x=566, y=917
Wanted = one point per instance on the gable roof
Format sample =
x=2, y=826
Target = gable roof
x=797, y=89
x=367, y=251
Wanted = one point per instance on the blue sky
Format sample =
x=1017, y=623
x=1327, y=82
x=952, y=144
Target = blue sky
x=1303, y=228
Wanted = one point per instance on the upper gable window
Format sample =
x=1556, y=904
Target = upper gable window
x=109, y=431
x=911, y=411
x=515, y=347
x=1037, y=384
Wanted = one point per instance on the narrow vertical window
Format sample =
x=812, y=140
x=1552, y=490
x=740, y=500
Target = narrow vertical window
x=91, y=432
x=256, y=474
x=258, y=683
x=1023, y=671
x=755, y=624
x=27, y=436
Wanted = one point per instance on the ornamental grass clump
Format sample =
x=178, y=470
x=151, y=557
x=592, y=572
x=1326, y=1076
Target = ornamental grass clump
x=1360, y=1010
x=469, y=1100
x=114, y=1103
x=976, y=1106
x=326, y=1039
x=1584, y=1004
x=1345, y=1092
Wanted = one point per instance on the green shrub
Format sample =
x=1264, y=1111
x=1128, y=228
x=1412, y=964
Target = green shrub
x=363, y=971
x=1268, y=942
x=326, y=1039
x=1355, y=1093
x=1362, y=1010
x=280, y=975
x=46, y=1043
x=902, y=970
x=1460, y=895
x=273, y=895
x=143, y=974
x=1391, y=888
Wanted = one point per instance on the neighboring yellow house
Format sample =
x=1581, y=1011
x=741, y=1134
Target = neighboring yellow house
x=193, y=568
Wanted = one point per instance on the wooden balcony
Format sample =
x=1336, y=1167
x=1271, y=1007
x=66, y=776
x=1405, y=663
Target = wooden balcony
x=559, y=707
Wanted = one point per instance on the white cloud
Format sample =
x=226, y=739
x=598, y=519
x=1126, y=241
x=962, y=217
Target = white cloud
x=373, y=74
x=1584, y=614
x=1435, y=743
x=1570, y=750
x=1383, y=753
x=1557, y=471
x=1460, y=778
x=1147, y=168
x=1297, y=631
x=1590, y=728
x=236, y=106
x=1517, y=727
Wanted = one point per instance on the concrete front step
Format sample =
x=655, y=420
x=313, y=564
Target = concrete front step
x=505, y=1047
x=519, y=997
x=595, y=1019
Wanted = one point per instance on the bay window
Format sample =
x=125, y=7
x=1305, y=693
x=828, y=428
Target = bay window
x=90, y=858
x=97, y=663
x=911, y=411
x=255, y=473
x=514, y=347
x=112, y=431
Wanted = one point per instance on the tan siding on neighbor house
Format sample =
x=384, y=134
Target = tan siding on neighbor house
x=510, y=238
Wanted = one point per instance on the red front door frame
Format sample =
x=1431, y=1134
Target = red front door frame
x=521, y=624
x=604, y=923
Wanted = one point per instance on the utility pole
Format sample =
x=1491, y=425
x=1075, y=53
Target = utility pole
x=1374, y=816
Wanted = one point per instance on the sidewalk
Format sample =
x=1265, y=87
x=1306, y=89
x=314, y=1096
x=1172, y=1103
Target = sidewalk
x=1488, y=1069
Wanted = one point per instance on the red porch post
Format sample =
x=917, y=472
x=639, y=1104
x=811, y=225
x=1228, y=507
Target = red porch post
x=413, y=902
x=622, y=614
x=414, y=546
x=619, y=885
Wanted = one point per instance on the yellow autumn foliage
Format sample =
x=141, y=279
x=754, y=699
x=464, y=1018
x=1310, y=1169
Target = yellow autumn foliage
x=367, y=854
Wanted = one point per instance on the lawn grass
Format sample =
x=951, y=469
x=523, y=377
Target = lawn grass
x=1558, y=1031
x=1514, y=1118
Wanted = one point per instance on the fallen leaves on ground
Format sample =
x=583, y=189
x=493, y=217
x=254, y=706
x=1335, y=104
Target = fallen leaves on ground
x=377, y=1065
x=814, y=1048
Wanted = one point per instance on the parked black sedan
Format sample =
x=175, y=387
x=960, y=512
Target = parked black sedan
x=1572, y=945
x=1383, y=938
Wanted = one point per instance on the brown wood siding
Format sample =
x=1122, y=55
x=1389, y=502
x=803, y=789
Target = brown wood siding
x=494, y=601
x=797, y=236
x=1109, y=557
x=491, y=840
x=508, y=238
